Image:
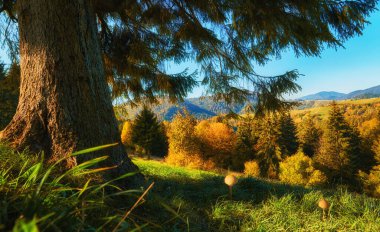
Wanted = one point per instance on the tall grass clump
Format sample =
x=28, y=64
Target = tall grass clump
x=35, y=196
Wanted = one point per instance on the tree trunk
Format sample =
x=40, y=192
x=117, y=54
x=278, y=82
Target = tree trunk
x=65, y=103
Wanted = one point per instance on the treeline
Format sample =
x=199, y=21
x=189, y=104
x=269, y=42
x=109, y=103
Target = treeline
x=9, y=92
x=343, y=149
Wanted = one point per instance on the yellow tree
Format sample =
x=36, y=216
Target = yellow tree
x=217, y=142
x=184, y=147
x=126, y=134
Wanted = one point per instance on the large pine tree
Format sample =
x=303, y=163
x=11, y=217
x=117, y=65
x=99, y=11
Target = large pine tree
x=267, y=147
x=70, y=49
x=340, y=152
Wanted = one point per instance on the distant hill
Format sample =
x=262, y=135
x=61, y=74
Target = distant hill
x=358, y=94
x=200, y=108
x=325, y=95
x=366, y=93
x=206, y=107
x=193, y=109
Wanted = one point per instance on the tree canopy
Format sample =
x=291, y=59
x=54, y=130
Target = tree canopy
x=227, y=39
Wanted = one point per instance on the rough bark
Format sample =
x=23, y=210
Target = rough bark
x=65, y=103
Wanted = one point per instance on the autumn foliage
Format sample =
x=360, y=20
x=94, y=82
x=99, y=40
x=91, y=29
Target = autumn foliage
x=299, y=169
x=184, y=149
x=340, y=149
x=217, y=142
x=126, y=134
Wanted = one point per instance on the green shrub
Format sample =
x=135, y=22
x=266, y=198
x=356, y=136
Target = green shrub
x=251, y=168
x=371, y=181
x=298, y=169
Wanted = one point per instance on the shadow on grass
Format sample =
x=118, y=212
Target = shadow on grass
x=192, y=200
x=211, y=189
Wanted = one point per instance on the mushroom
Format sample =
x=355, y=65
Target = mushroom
x=324, y=205
x=230, y=181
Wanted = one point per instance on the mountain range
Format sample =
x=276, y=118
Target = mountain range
x=201, y=108
x=205, y=107
x=358, y=94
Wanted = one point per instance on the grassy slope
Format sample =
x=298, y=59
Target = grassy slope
x=200, y=199
x=181, y=200
x=322, y=108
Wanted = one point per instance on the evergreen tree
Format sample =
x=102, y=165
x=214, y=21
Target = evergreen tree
x=376, y=150
x=275, y=139
x=287, y=138
x=340, y=153
x=245, y=141
x=309, y=136
x=9, y=94
x=2, y=71
x=267, y=148
x=148, y=134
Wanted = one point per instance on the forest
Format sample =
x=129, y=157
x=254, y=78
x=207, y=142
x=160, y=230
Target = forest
x=296, y=147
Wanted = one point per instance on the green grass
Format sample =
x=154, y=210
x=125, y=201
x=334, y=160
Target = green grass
x=199, y=198
x=36, y=196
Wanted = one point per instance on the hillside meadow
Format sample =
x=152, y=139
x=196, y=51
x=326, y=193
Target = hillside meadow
x=38, y=197
x=320, y=108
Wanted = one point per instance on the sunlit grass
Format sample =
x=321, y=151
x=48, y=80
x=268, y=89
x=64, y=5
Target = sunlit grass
x=34, y=195
x=201, y=199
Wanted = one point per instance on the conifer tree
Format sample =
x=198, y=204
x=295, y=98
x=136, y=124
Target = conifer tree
x=267, y=148
x=275, y=139
x=309, y=136
x=340, y=154
x=245, y=141
x=376, y=151
x=148, y=134
x=2, y=71
x=287, y=138
x=9, y=94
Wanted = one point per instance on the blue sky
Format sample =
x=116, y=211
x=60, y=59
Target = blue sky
x=356, y=66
